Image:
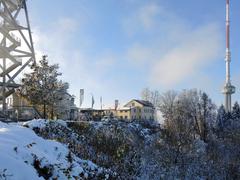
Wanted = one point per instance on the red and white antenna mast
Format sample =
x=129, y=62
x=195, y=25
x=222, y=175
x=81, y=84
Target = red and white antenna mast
x=228, y=89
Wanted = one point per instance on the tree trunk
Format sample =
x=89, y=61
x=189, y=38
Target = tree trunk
x=52, y=112
x=44, y=110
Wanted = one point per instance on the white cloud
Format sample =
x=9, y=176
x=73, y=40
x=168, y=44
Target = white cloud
x=143, y=19
x=147, y=15
x=55, y=41
x=67, y=24
x=79, y=68
x=139, y=54
x=200, y=48
x=177, y=51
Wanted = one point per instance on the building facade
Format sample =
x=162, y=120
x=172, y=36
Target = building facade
x=133, y=110
x=21, y=109
x=141, y=110
x=67, y=108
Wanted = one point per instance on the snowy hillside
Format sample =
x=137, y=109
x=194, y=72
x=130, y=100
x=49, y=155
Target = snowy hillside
x=143, y=150
x=116, y=145
x=24, y=155
x=136, y=150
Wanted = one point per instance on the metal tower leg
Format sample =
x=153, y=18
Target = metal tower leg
x=16, y=45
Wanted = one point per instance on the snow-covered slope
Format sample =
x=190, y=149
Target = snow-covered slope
x=116, y=145
x=24, y=155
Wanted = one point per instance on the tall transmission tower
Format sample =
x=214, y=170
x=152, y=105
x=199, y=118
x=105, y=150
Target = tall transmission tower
x=16, y=45
x=228, y=89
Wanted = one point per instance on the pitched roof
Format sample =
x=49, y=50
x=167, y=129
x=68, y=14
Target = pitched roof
x=144, y=103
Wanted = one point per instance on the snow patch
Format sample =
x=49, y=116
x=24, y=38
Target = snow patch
x=24, y=155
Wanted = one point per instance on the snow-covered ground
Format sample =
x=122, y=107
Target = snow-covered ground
x=24, y=155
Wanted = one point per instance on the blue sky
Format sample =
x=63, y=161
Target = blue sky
x=114, y=48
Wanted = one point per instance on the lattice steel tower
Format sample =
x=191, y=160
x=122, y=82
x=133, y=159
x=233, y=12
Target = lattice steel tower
x=16, y=45
x=228, y=89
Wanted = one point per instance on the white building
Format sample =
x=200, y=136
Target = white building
x=141, y=110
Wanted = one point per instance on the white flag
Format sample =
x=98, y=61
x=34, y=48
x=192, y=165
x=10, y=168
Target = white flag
x=116, y=104
x=81, y=96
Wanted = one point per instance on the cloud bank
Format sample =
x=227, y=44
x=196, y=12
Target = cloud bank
x=178, y=51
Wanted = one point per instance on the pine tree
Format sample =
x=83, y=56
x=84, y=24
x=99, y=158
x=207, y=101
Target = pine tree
x=42, y=87
x=236, y=112
x=225, y=122
x=221, y=118
x=206, y=115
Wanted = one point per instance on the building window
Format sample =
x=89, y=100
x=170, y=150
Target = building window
x=134, y=110
x=133, y=104
x=126, y=117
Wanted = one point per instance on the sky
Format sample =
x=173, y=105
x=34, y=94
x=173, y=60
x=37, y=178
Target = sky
x=114, y=48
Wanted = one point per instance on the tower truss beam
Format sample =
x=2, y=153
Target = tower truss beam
x=16, y=45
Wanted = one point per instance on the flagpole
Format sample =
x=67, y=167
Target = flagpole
x=80, y=101
x=101, y=102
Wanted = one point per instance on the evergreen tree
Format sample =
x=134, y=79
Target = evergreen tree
x=206, y=111
x=42, y=87
x=227, y=121
x=236, y=112
x=221, y=118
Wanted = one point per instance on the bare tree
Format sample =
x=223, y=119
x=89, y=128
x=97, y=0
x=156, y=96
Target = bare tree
x=146, y=94
x=189, y=112
x=151, y=96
